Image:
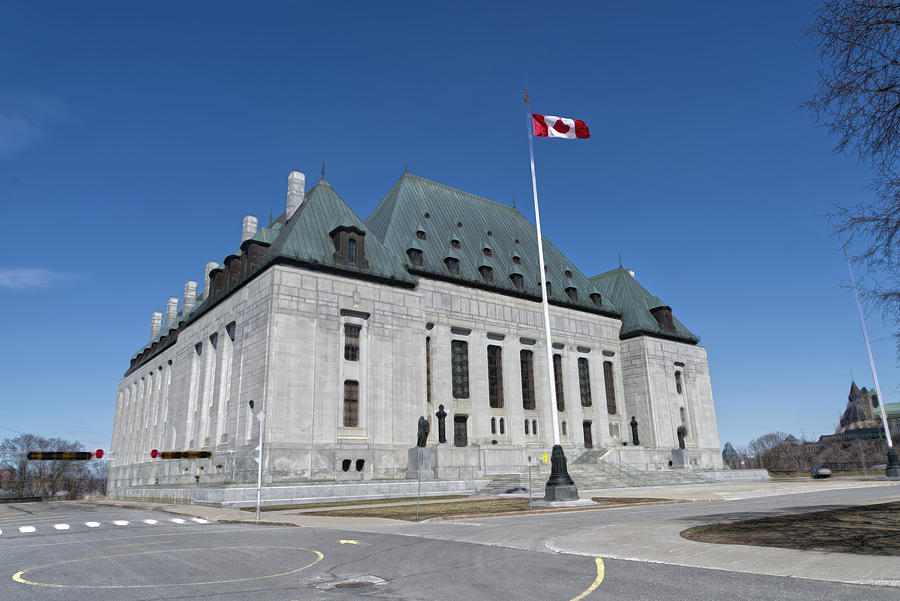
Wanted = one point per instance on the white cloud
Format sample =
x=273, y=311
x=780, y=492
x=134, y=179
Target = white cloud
x=23, y=121
x=26, y=278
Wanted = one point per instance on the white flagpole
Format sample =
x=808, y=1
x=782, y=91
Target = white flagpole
x=862, y=322
x=545, y=307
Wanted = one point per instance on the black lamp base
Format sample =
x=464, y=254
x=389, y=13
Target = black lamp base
x=560, y=486
x=893, y=467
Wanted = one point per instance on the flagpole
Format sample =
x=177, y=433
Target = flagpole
x=560, y=486
x=893, y=468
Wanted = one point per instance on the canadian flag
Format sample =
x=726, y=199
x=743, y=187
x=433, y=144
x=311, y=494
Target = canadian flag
x=546, y=126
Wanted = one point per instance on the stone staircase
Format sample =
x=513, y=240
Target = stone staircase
x=591, y=470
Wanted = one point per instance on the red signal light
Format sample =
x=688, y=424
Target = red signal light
x=98, y=454
x=154, y=453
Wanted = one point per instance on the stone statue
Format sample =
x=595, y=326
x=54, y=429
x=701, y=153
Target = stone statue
x=634, y=433
x=424, y=429
x=442, y=427
x=681, y=432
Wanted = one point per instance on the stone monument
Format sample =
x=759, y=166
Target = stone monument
x=419, y=465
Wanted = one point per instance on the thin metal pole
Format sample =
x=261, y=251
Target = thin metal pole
x=419, y=491
x=862, y=322
x=545, y=307
x=260, y=416
x=530, y=500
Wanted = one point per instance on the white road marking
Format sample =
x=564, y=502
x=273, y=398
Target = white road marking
x=1, y=531
x=200, y=520
x=151, y=522
x=177, y=520
x=61, y=526
x=26, y=529
x=120, y=522
x=92, y=524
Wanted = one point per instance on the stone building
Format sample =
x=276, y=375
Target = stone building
x=343, y=332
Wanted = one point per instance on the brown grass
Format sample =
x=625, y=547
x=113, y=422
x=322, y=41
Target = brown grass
x=865, y=530
x=469, y=508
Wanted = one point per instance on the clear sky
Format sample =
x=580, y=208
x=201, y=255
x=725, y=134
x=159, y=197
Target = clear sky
x=135, y=136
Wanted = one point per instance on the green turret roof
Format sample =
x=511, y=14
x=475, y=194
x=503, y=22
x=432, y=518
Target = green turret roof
x=306, y=238
x=636, y=303
x=490, y=234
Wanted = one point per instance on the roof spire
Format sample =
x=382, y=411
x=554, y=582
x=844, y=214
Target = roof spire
x=514, y=201
x=323, y=169
x=270, y=215
x=404, y=167
x=620, y=260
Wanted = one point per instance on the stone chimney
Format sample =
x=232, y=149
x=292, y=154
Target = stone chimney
x=296, y=192
x=210, y=265
x=155, y=324
x=171, y=311
x=190, y=296
x=248, y=230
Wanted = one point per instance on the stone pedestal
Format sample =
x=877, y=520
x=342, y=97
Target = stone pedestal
x=419, y=465
x=560, y=486
x=681, y=460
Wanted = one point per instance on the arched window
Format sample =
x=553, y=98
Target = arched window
x=487, y=274
x=452, y=265
x=421, y=235
x=455, y=243
x=487, y=252
x=526, y=427
x=549, y=289
x=517, y=259
x=568, y=273
x=678, y=382
x=610, y=387
x=351, y=250
x=572, y=293
x=596, y=299
x=415, y=256
x=517, y=280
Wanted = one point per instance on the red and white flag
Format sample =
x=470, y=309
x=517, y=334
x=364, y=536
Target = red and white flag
x=546, y=126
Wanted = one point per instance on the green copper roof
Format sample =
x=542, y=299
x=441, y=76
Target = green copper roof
x=489, y=234
x=635, y=303
x=892, y=410
x=306, y=238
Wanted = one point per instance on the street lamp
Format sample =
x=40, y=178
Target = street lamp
x=260, y=416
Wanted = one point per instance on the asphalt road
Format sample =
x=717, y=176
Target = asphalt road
x=110, y=553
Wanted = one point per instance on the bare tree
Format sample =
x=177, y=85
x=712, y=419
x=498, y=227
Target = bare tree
x=47, y=478
x=858, y=100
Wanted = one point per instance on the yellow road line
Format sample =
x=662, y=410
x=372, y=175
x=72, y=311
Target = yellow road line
x=601, y=571
x=18, y=575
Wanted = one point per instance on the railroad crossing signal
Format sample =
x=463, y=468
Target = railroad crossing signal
x=155, y=454
x=64, y=455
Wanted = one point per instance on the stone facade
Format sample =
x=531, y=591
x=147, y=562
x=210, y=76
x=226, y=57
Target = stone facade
x=278, y=339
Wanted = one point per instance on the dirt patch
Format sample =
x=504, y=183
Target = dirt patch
x=471, y=508
x=865, y=530
x=348, y=503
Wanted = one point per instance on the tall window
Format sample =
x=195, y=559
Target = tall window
x=351, y=403
x=678, y=382
x=428, y=369
x=460, y=436
x=487, y=274
x=452, y=265
x=526, y=361
x=459, y=357
x=517, y=280
x=572, y=293
x=584, y=381
x=351, y=342
x=610, y=387
x=351, y=250
x=557, y=375
x=495, y=376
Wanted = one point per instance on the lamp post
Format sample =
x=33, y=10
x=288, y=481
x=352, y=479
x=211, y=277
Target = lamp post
x=259, y=448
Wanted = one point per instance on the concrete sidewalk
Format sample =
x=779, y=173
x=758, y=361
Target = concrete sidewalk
x=645, y=533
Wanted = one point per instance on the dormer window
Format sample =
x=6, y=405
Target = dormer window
x=517, y=259
x=549, y=289
x=568, y=273
x=415, y=256
x=487, y=252
x=487, y=273
x=452, y=265
x=596, y=299
x=421, y=235
x=349, y=246
x=455, y=243
x=572, y=293
x=517, y=280
x=663, y=316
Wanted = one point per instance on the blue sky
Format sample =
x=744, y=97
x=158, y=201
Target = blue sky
x=133, y=139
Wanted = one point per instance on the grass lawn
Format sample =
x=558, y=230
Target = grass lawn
x=467, y=508
x=865, y=530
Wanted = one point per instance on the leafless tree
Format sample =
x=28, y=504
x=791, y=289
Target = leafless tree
x=48, y=478
x=858, y=100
